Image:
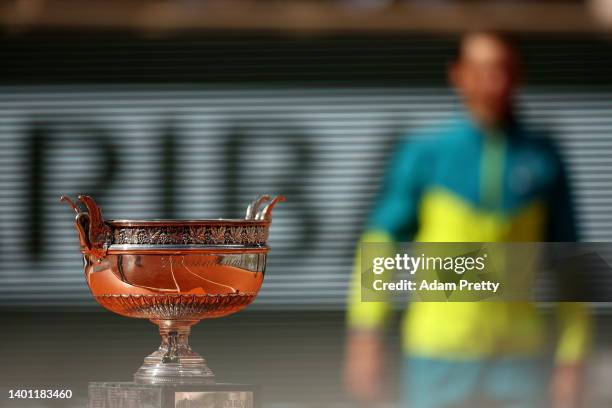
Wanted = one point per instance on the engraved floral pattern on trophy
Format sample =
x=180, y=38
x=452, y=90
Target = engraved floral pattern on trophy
x=174, y=273
x=213, y=235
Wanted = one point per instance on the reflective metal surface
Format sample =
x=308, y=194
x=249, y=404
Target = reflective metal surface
x=174, y=273
x=196, y=285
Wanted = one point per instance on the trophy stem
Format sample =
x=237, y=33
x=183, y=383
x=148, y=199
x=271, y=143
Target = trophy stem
x=174, y=362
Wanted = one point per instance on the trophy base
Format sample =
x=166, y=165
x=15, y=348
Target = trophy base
x=133, y=395
x=174, y=362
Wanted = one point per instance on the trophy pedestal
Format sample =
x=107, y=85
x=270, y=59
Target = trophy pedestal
x=133, y=395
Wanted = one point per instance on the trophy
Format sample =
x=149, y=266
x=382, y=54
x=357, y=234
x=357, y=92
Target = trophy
x=174, y=273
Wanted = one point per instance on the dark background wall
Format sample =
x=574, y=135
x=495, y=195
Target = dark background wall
x=247, y=58
x=194, y=126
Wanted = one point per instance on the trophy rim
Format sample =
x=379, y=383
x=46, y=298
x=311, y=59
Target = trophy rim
x=159, y=222
x=133, y=249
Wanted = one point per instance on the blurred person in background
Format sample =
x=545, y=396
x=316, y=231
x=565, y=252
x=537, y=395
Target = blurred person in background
x=482, y=178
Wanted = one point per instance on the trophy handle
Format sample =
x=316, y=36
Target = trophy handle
x=266, y=212
x=254, y=212
x=253, y=208
x=94, y=234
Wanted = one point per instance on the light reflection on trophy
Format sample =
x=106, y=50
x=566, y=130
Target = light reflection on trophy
x=174, y=273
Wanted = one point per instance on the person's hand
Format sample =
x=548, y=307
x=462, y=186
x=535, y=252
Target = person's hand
x=363, y=366
x=566, y=386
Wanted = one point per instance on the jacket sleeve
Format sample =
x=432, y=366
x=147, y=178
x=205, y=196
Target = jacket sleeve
x=393, y=219
x=574, y=318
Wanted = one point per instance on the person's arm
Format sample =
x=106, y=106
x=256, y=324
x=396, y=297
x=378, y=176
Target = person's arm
x=572, y=348
x=364, y=354
x=393, y=219
x=574, y=319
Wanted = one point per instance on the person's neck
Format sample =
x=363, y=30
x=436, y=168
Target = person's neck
x=489, y=124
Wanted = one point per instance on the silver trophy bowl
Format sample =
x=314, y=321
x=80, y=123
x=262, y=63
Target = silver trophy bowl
x=174, y=273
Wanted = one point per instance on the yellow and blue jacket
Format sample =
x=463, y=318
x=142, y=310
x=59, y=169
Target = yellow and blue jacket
x=458, y=184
